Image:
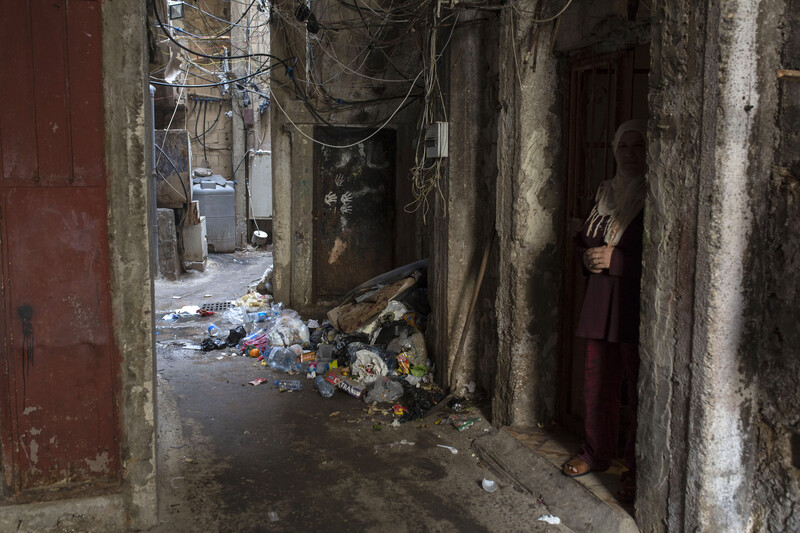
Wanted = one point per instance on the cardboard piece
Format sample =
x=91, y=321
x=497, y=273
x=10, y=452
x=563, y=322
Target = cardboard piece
x=350, y=386
x=354, y=314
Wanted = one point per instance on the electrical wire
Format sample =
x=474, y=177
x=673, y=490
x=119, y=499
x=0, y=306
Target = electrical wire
x=272, y=98
x=171, y=38
x=177, y=172
x=540, y=21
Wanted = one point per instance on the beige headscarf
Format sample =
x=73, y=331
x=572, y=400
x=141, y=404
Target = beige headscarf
x=621, y=198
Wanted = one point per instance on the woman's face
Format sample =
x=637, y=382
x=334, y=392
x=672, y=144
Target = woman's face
x=630, y=154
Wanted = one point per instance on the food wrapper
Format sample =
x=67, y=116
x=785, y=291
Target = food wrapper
x=402, y=363
x=350, y=386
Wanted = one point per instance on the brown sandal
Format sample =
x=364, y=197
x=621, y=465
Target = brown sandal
x=577, y=467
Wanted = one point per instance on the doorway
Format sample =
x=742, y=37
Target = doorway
x=603, y=91
x=354, y=208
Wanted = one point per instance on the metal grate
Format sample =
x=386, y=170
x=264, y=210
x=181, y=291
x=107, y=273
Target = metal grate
x=217, y=306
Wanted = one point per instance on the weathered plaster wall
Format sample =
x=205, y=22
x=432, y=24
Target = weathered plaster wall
x=463, y=221
x=129, y=180
x=674, y=154
x=528, y=215
x=712, y=132
x=293, y=151
x=774, y=251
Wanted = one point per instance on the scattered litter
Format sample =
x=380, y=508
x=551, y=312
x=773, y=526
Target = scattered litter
x=395, y=423
x=206, y=296
x=489, y=485
x=457, y=404
x=462, y=422
x=220, y=357
x=394, y=444
x=273, y=516
x=550, y=519
x=384, y=390
x=213, y=343
x=288, y=384
x=176, y=297
x=335, y=413
x=258, y=381
x=186, y=459
x=452, y=450
x=183, y=312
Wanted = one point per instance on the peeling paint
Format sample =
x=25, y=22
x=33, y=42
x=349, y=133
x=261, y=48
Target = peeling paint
x=99, y=464
x=339, y=247
x=34, y=451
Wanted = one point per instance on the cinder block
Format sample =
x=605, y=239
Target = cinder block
x=195, y=241
x=168, y=260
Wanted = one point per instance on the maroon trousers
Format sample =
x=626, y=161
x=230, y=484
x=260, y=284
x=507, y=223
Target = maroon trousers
x=607, y=363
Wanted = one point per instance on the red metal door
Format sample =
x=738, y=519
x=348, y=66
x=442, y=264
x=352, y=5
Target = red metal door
x=58, y=380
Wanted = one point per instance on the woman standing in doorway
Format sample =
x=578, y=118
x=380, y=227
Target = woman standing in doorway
x=610, y=244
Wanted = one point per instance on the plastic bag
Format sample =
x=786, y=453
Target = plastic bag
x=213, y=343
x=235, y=335
x=235, y=315
x=289, y=329
x=254, y=302
x=413, y=345
x=383, y=389
x=418, y=401
x=388, y=358
x=368, y=366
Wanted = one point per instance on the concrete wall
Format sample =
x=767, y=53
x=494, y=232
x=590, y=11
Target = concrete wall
x=528, y=218
x=715, y=429
x=129, y=197
x=463, y=218
x=774, y=250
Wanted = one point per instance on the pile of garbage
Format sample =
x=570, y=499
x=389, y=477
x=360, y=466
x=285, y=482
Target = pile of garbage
x=371, y=346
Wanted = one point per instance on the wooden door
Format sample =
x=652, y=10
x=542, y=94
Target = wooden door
x=353, y=209
x=599, y=99
x=58, y=380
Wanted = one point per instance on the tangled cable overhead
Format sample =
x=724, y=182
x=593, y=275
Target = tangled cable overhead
x=377, y=56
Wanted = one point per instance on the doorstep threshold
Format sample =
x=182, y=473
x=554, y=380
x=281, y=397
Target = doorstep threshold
x=579, y=506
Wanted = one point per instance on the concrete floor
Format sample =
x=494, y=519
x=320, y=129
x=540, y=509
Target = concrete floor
x=233, y=457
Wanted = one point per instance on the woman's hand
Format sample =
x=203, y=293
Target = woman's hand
x=597, y=259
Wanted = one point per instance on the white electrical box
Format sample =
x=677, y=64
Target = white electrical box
x=436, y=140
x=261, y=185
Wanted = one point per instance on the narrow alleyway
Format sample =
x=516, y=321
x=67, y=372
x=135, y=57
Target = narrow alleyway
x=234, y=457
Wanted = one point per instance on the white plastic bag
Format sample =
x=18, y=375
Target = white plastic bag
x=368, y=366
x=235, y=315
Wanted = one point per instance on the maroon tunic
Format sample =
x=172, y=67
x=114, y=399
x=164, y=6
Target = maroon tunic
x=610, y=309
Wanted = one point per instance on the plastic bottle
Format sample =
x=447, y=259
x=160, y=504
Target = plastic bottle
x=260, y=316
x=289, y=384
x=325, y=389
x=282, y=359
x=213, y=330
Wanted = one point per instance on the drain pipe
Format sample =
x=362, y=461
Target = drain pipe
x=154, y=181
